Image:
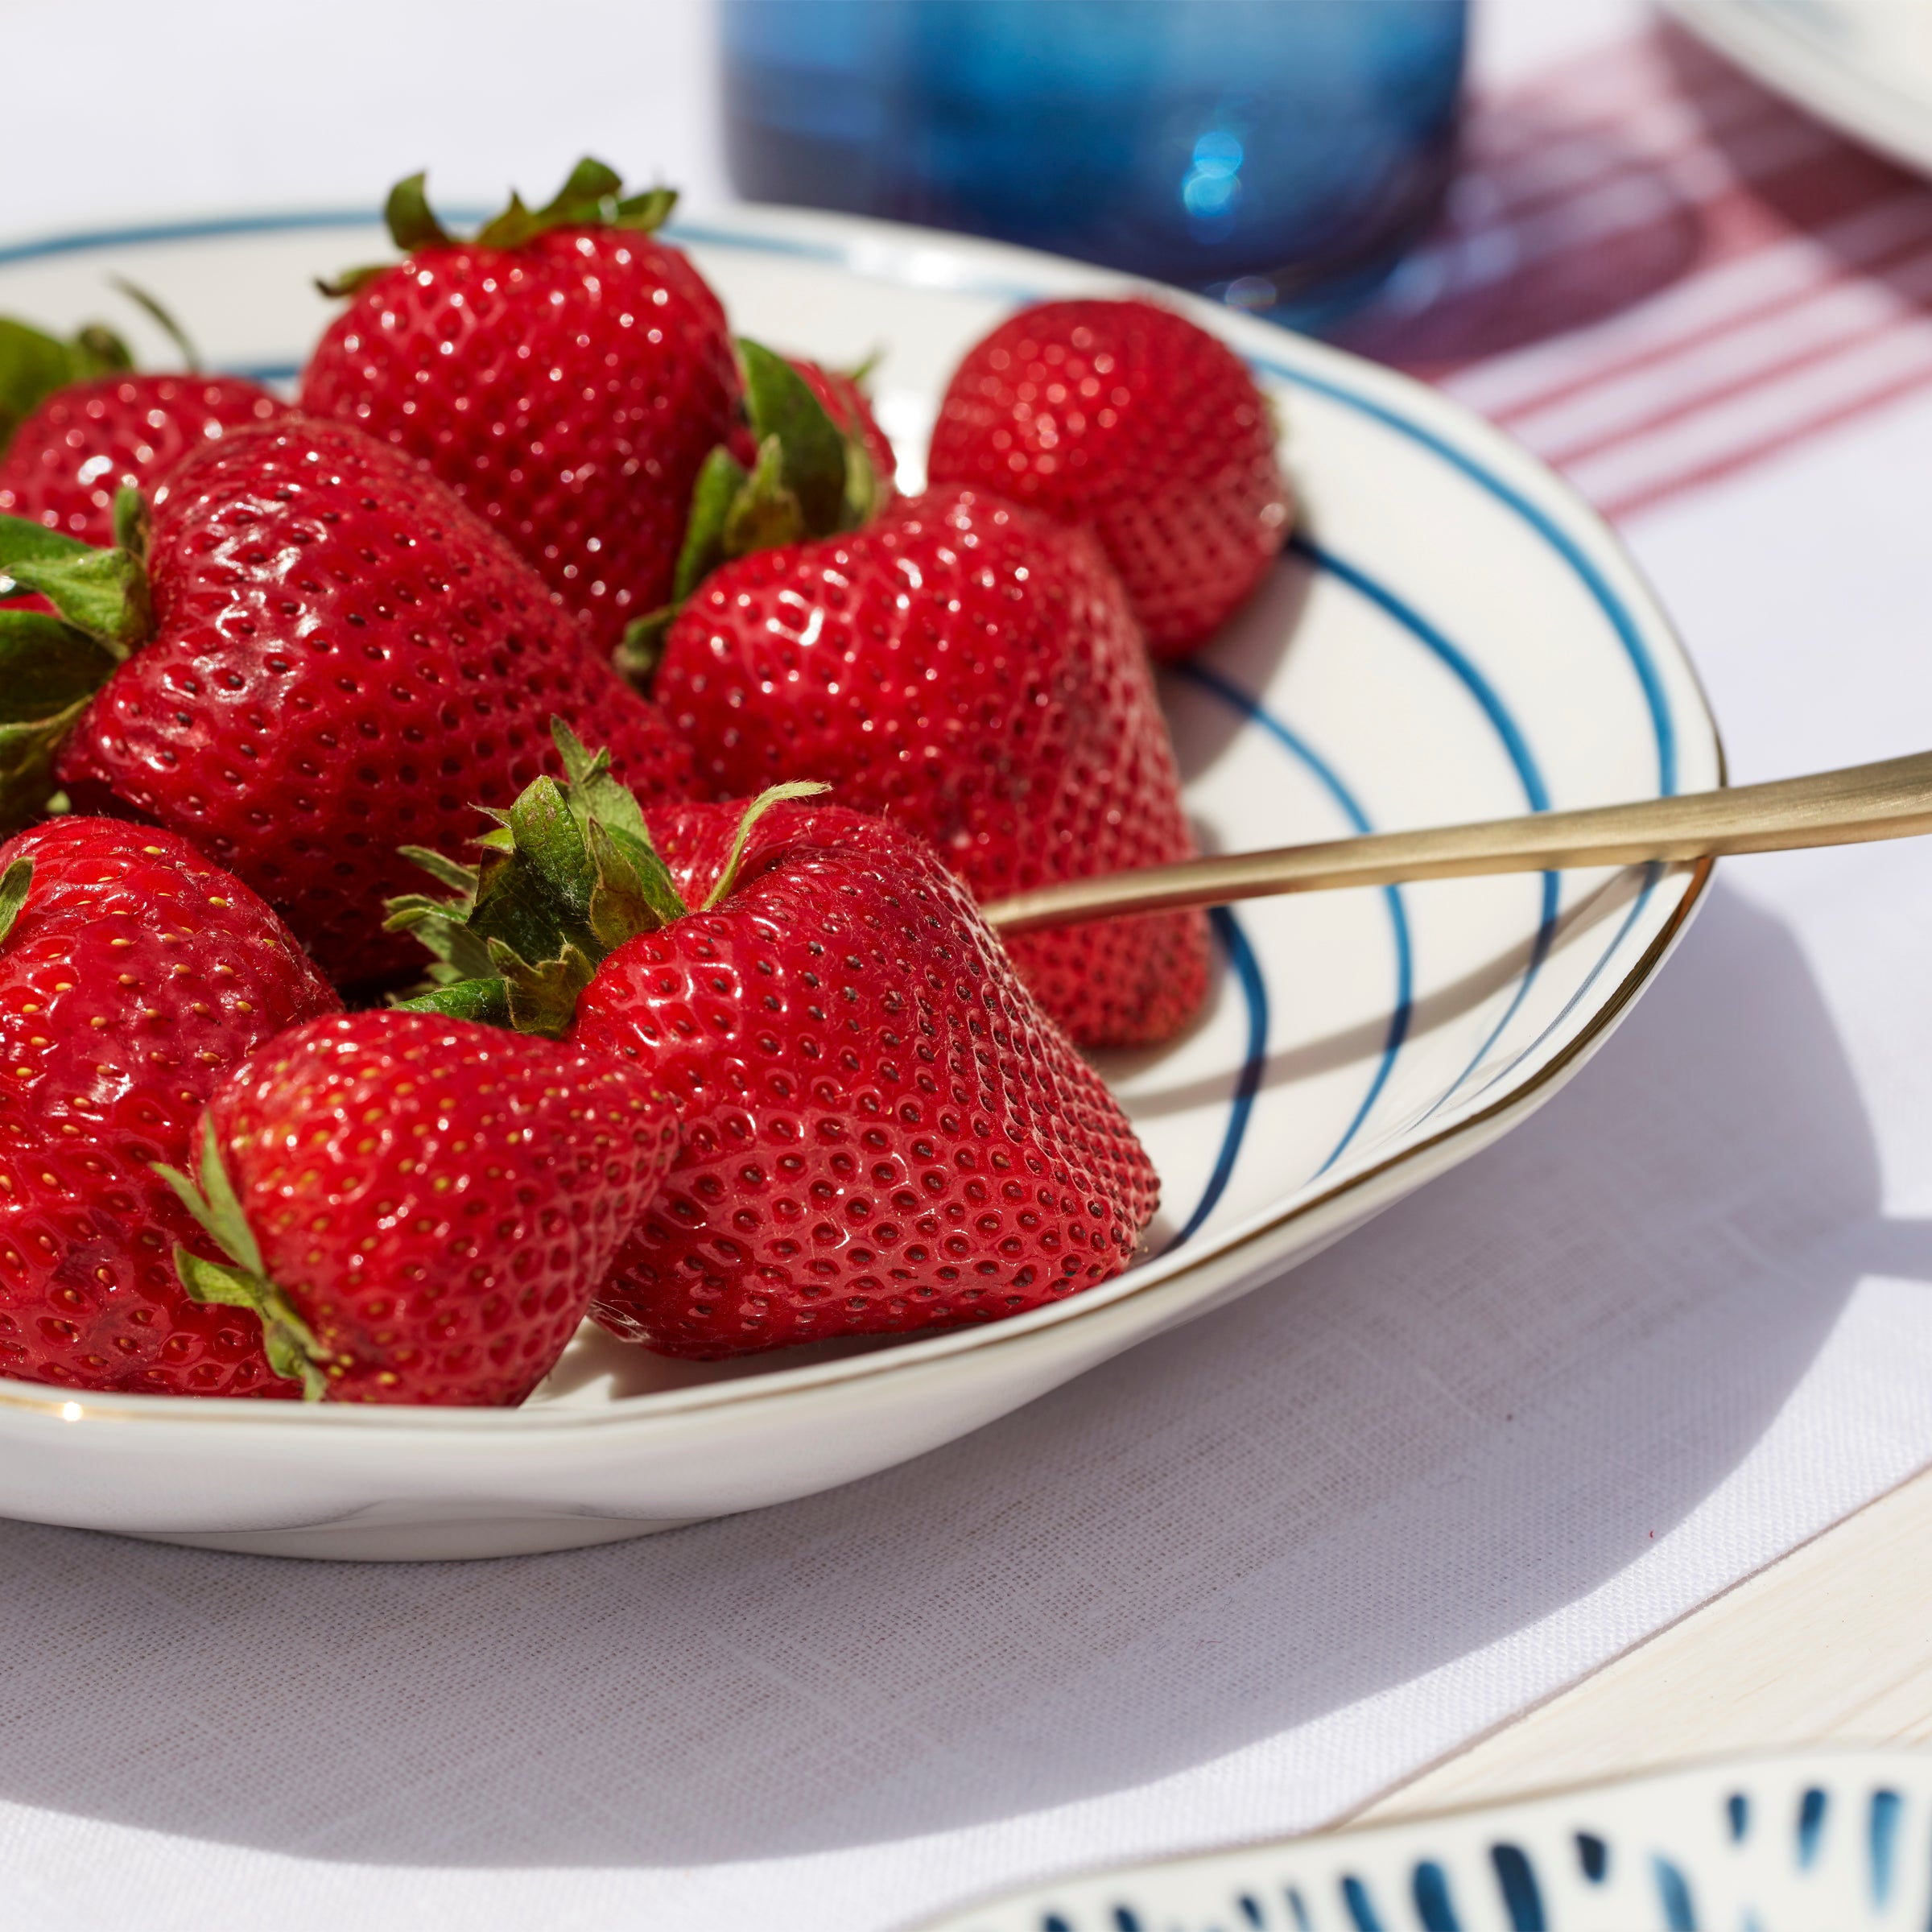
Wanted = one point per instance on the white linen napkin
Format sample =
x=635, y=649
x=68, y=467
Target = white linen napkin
x=1240, y=1580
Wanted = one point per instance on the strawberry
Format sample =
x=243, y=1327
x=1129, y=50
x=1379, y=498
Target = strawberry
x=417, y=1208
x=35, y=364
x=882, y=1131
x=564, y=372
x=972, y=670
x=1125, y=418
x=85, y=442
x=134, y=974
x=323, y=656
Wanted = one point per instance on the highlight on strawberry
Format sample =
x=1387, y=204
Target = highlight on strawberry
x=315, y=654
x=564, y=370
x=415, y=1209
x=882, y=1132
x=134, y=974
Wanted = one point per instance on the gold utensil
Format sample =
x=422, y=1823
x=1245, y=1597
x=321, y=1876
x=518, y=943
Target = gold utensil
x=1891, y=799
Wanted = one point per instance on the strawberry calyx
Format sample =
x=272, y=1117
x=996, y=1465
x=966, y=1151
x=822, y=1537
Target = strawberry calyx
x=567, y=874
x=289, y=1343
x=51, y=665
x=592, y=197
x=812, y=477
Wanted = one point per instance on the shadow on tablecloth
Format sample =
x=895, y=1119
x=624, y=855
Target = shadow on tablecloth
x=1465, y=1417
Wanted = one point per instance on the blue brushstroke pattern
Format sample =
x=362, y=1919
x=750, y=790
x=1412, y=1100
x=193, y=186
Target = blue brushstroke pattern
x=1432, y=1905
x=1882, y=1842
x=1517, y=1881
x=1674, y=1895
x=1810, y=1826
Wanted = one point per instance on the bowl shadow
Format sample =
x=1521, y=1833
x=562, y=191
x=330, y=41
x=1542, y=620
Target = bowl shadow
x=1417, y=1443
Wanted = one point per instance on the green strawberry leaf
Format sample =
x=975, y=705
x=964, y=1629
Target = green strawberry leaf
x=569, y=873
x=214, y=1203
x=542, y=997
x=780, y=403
x=14, y=884
x=103, y=593
x=634, y=891
x=765, y=513
x=48, y=673
x=483, y=999
x=26, y=765
x=728, y=879
x=550, y=841
x=721, y=480
x=411, y=222
x=457, y=877
x=593, y=789
x=288, y=1341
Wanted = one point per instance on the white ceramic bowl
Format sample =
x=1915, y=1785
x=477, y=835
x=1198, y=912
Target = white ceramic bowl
x=1455, y=636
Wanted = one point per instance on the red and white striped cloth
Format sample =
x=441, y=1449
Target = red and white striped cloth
x=1655, y=273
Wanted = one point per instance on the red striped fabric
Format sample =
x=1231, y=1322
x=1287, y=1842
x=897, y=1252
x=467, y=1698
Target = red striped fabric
x=1656, y=275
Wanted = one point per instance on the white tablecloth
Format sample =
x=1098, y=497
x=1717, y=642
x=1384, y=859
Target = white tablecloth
x=1230, y=1585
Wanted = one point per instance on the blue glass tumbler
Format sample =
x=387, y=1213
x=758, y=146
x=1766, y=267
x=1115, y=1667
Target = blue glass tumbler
x=1278, y=154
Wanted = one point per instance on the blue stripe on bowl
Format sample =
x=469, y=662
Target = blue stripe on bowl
x=1231, y=694
x=1247, y=1083
x=1536, y=793
x=1552, y=533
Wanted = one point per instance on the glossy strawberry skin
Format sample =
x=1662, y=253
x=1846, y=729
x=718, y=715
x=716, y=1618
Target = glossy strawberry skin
x=568, y=391
x=1128, y=419
x=881, y=1130
x=345, y=661
x=136, y=976
x=841, y=398
x=970, y=669
x=438, y=1200
x=85, y=442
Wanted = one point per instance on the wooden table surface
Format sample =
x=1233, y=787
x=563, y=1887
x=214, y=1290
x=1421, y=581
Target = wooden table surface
x=1830, y=1645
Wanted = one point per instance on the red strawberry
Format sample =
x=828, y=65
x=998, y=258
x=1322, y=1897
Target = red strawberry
x=84, y=442
x=564, y=373
x=881, y=1130
x=418, y=1208
x=133, y=975
x=1127, y=418
x=33, y=364
x=971, y=669
x=340, y=660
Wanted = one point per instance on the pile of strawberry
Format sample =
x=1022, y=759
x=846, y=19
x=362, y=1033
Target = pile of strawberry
x=546, y=594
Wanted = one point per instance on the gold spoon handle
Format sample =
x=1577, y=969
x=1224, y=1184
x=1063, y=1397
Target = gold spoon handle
x=1889, y=800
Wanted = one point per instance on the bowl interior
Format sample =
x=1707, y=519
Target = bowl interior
x=1450, y=635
